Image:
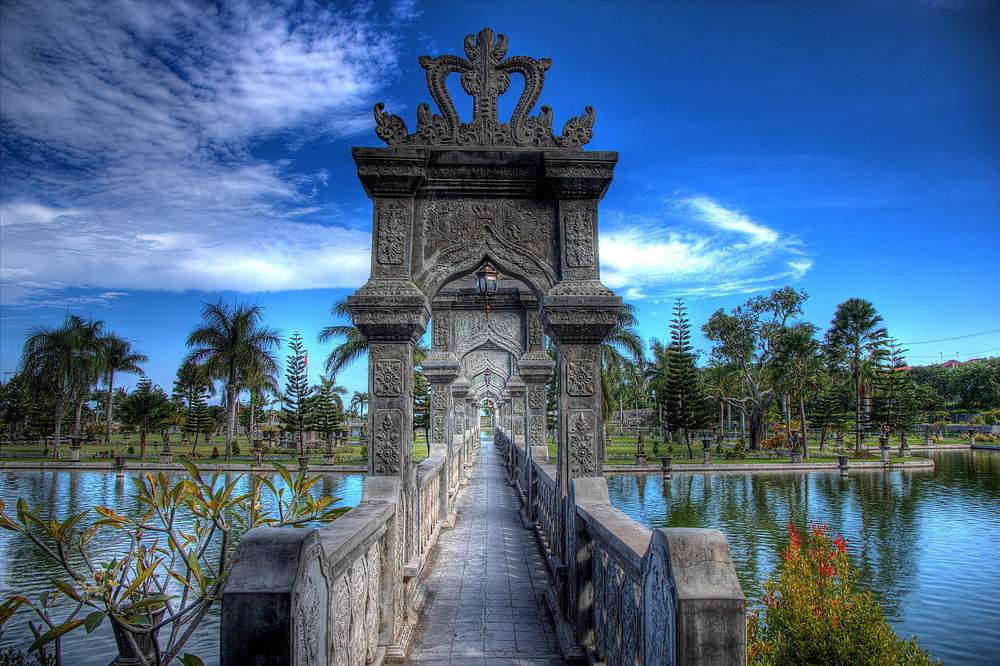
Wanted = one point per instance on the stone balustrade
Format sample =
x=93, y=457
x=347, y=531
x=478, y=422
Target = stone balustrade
x=636, y=596
x=340, y=594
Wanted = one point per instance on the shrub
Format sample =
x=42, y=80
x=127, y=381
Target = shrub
x=777, y=441
x=985, y=437
x=130, y=450
x=235, y=448
x=215, y=452
x=812, y=615
x=738, y=451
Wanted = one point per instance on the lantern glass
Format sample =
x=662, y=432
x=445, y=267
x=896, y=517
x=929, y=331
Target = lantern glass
x=486, y=280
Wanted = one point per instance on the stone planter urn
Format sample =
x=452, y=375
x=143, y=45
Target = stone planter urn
x=667, y=463
x=258, y=452
x=303, y=463
x=119, y=462
x=75, y=444
x=795, y=457
x=146, y=643
x=842, y=464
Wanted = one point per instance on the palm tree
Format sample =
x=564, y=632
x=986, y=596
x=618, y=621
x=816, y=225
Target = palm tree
x=354, y=346
x=856, y=342
x=62, y=362
x=623, y=358
x=233, y=346
x=359, y=404
x=116, y=355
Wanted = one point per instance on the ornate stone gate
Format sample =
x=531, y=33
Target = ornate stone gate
x=451, y=196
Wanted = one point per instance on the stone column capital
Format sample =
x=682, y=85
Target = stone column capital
x=580, y=312
x=441, y=367
x=390, y=311
x=536, y=366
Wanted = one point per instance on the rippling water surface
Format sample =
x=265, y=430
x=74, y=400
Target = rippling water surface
x=24, y=571
x=927, y=542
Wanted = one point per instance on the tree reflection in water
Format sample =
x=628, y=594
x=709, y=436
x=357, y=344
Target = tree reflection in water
x=920, y=539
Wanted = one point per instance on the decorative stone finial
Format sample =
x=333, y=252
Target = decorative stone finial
x=484, y=76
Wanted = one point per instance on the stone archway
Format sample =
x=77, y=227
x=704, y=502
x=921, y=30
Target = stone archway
x=449, y=197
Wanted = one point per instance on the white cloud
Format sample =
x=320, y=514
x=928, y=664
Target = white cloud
x=695, y=247
x=129, y=131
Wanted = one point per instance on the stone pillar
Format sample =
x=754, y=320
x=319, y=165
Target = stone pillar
x=460, y=420
x=578, y=316
x=516, y=393
x=535, y=367
x=441, y=369
x=392, y=315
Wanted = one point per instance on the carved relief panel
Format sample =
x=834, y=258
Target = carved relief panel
x=388, y=424
x=581, y=377
x=582, y=442
x=387, y=378
x=518, y=234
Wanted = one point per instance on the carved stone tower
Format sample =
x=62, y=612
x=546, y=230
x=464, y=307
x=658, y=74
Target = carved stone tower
x=451, y=196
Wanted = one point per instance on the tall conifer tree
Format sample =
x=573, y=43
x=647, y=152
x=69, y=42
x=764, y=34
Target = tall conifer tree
x=297, y=389
x=685, y=407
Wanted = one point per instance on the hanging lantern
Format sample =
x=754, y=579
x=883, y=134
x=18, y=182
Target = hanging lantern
x=486, y=284
x=487, y=376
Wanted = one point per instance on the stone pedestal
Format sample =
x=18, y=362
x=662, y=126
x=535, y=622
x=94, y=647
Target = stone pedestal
x=885, y=454
x=640, y=459
x=843, y=464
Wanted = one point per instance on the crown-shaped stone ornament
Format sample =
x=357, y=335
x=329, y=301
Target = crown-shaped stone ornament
x=484, y=76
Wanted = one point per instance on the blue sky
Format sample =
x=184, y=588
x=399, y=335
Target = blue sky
x=157, y=154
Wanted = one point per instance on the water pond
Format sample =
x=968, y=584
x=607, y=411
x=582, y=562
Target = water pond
x=927, y=542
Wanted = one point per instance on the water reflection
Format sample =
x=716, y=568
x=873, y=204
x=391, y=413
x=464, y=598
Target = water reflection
x=24, y=571
x=920, y=539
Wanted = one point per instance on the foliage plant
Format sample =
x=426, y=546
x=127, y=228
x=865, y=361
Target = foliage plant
x=178, y=556
x=813, y=615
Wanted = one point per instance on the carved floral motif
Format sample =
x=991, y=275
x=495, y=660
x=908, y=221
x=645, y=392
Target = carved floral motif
x=579, y=239
x=537, y=431
x=580, y=377
x=536, y=397
x=581, y=443
x=440, y=400
x=391, y=236
x=387, y=441
x=388, y=377
x=484, y=76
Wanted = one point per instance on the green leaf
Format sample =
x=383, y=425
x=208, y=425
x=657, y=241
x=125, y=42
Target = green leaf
x=192, y=560
x=139, y=579
x=8, y=607
x=66, y=588
x=191, y=660
x=94, y=620
x=54, y=633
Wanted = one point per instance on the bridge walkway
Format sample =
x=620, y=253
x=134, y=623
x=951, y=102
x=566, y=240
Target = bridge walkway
x=486, y=583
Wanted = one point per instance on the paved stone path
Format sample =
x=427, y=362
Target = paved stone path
x=485, y=603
